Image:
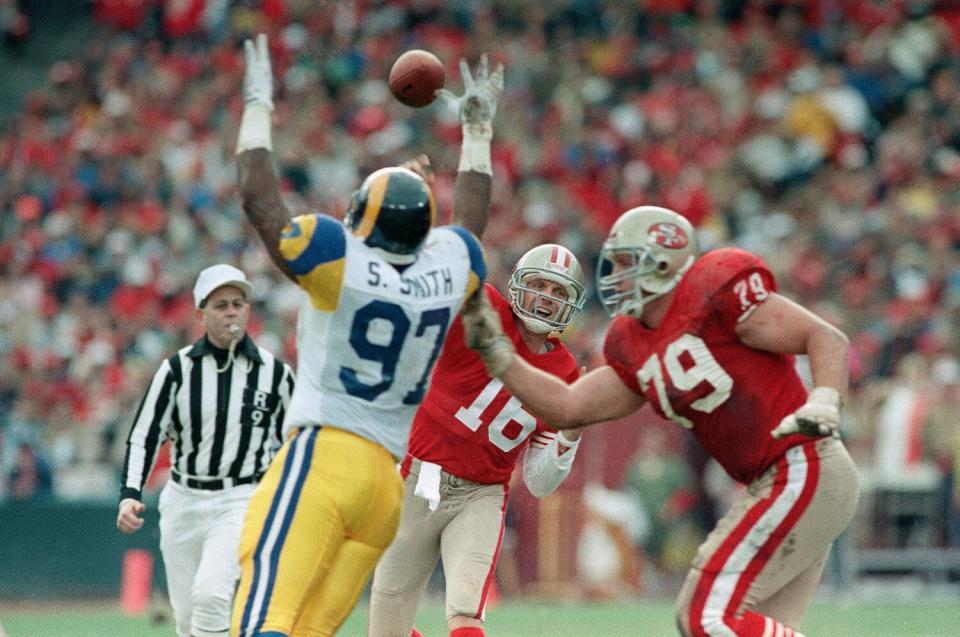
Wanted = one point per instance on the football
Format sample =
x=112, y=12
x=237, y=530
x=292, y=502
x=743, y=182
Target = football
x=415, y=77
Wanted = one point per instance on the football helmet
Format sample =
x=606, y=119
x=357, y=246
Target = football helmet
x=553, y=263
x=392, y=212
x=647, y=252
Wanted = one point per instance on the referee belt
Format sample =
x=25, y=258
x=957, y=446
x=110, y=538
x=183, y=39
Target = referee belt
x=215, y=484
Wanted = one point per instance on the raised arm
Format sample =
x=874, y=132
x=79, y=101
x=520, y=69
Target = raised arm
x=476, y=108
x=259, y=183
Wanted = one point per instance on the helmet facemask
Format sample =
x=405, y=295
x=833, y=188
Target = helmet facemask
x=520, y=297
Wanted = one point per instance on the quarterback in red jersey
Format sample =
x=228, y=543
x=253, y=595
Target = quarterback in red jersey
x=709, y=342
x=468, y=424
x=469, y=432
x=467, y=436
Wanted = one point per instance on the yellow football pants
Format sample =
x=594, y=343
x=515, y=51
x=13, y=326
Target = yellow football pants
x=322, y=516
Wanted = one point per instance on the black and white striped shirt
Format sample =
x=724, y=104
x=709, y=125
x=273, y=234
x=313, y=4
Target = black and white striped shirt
x=222, y=426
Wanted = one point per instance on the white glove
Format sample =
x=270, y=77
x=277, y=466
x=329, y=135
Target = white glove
x=257, y=97
x=819, y=416
x=484, y=333
x=258, y=77
x=478, y=104
x=476, y=108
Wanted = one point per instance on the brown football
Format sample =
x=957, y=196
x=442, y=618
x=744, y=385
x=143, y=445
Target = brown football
x=415, y=77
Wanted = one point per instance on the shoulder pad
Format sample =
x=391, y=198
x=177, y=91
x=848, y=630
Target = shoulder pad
x=715, y=269
x=312, y=240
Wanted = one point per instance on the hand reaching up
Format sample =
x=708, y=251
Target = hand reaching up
x=257, y=76
x=478, y=104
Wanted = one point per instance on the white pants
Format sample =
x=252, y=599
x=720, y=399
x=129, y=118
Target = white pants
x=465, y=532
x=199, y=540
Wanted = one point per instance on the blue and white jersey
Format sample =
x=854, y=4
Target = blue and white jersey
x=368, y=336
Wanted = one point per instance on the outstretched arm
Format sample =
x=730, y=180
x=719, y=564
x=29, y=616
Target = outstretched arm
x=471, y=201
x=259, y=183
x=476, y=109
x=597, y=396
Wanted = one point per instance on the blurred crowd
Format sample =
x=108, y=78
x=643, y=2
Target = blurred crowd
x=823, y=136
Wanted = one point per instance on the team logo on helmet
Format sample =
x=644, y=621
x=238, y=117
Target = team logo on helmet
x=553, y=263
x=668, y=235
x=560, y=259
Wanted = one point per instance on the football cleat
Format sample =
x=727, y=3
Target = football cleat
x=392, y=212
x=552, y=263
x=647, y=252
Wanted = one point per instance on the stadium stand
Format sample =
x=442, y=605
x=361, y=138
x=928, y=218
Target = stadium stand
x=823, y=136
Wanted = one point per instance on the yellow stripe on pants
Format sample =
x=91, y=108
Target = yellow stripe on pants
x=322, y=516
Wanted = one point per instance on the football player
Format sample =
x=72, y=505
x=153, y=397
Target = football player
x=381, y=290
x=709, y=342
x=469, y=432
x=467, y=437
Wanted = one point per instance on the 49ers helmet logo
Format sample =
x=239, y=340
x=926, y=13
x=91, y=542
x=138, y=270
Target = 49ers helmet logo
x=668, y=235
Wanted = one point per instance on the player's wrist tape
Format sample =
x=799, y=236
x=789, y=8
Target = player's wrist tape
x=254, y=128
x=475, y=149
x=569, y=444
x=824, y=396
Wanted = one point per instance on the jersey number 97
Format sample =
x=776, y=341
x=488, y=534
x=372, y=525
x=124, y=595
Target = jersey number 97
x=388, y=355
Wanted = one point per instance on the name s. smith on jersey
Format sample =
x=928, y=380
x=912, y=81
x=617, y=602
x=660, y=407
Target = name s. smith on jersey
x=432, y=283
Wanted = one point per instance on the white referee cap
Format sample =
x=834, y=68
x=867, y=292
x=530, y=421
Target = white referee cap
x=217, y=276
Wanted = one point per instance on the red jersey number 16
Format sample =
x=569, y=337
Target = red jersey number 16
x=511, y=411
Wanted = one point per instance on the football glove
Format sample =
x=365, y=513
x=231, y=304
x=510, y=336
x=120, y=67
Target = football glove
x=257, y=77
x=478, y=104
x=819, y=416
x=484, y=333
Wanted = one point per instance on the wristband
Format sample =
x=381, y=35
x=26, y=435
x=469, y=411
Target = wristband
x=824, y=396
x=254, y=128
x=569, y=444
x=475, y=149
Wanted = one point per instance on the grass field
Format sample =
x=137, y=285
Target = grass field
x=527, y=619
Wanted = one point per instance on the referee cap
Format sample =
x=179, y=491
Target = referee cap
x=217, y=276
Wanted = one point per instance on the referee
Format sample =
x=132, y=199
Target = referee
x=220, y=402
